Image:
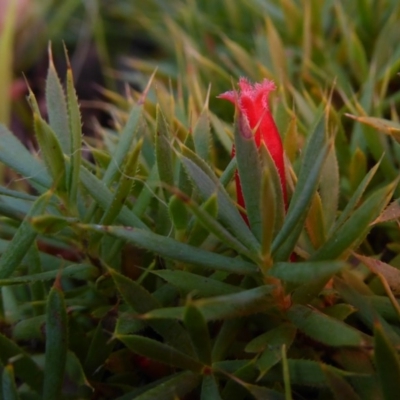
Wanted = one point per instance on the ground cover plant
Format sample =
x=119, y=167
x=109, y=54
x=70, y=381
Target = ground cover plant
x=195, y=249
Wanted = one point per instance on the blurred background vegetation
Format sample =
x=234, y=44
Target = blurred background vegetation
x=344, y=54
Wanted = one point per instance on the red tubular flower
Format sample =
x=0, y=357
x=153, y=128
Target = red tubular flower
x=252, y=101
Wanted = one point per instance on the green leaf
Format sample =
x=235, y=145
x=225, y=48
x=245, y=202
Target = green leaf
x=387, y=364
x=124, y=144
x=57, y=106
x=29, y=328
x=75, y=138
x=51, y=152
x=102, y=195
x=197, y=285
x=164, y=152
x=355, y=198
x=221, y=307
x=197, y=327
x=178, y=215
x=178, y=385
x=209, y=388
x=99, y=350
x=262, y=392
x=202, y=136
x=213, y=226
x=270, y=344
x=174, y=250
x=75, y=271
x=313, y=160
x=365, y=311
x=236, y=386
x=141, y=301
x=249, y=167
x=75, y=372
x=309, y=373
x=15, y=155
x=354, y=230
x=268, y=216
x=323, y=328
x=304, y=272
x=8, y=383
x=160, y=352
x=199, y=233
x=24, y=367
x=340, y=388
x=208, y=184
x=124, y=186
x=22, y=240
x=48, y=224
x=283, y=334
x=286, y=374
x=56, y=344
x=226, y=336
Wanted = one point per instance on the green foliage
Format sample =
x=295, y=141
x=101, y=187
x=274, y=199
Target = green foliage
x=127, y=270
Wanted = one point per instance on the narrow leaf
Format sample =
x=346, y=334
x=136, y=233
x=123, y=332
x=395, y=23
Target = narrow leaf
x=209, y=388
x=14, y=154
x=164, y=152
x=174, y=250
x=56, y=344
x=387, y=364
x=22, y=240
x=197, y=327
x=57, y=106
x=222, y=307
x=323, y=328
x=8, y=384
x=354, y=230
x=160, y=352
x=24, y=367
x=75, y=137
x=208, y=184
x=249, y=167
x=196, y=285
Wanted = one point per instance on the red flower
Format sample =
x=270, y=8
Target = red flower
x=252, y=101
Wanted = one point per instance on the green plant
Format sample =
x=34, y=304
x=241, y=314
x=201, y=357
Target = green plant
x=128, y=272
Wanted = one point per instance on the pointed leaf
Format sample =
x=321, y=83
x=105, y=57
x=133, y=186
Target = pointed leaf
x=197, y=328
x=51, y=152
x=354, y=230
x=249, y=167
x=57, y=107
x=14, y=154
x=324, y=329
x=24, y=367
x=56, y=344
x=22, y=240
x=178, y=385
x=209, y=388
x=174, y=250
x=221, y=307
x=314, y=157
x=75, y=137
x=387, y=364
x=208, y=184
x=202, y=136
x=196, y=285
x=102, y=195
x=339, y=386
x=141, y=301
x=164, y=152
x=304, y=272
x=9, y=387
x=160, y=352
